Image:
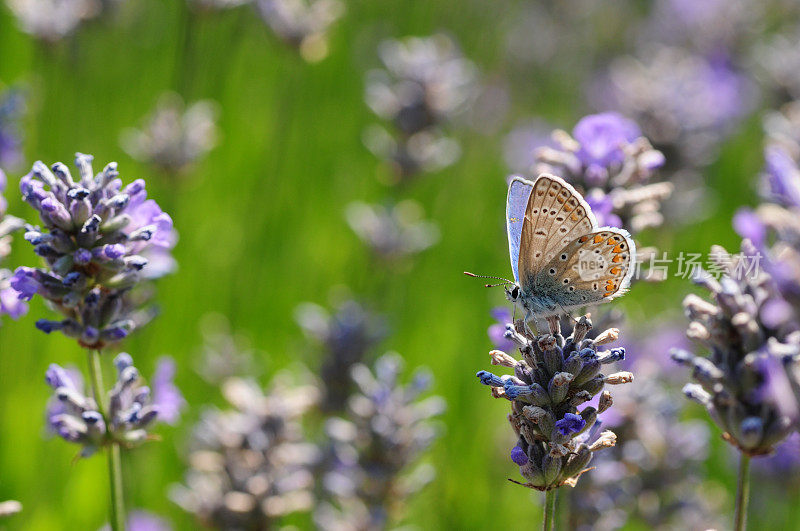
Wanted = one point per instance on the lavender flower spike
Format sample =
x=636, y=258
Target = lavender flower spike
x=96, y=241
x=612, y=164
x=556, y=376
x=737, y=383
x=175, y=135
x=251, y=463
x=389, y=424
x=76, y=417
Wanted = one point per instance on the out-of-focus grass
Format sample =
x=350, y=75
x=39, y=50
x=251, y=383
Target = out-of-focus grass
x=262, y=229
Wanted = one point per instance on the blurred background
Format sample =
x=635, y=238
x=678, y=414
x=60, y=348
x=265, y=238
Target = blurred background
x=271, y=186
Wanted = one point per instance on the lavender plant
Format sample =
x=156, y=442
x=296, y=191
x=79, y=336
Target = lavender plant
x=303, y=24
x=394, y=232
x=773, y=230
x=425, y=83
x=686, y=103
x=53, y=20
x=346, y=337
x=745, y=346
x=556, y=375
x=96, y=240
x=654, y=475
x=388, y=425
x=125, y=417
x=609, y=161
x=174, y=136
x=250, y=464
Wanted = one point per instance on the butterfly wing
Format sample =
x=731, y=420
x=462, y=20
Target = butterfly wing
x=518, y=193
x=593, y=268
x=555, y=215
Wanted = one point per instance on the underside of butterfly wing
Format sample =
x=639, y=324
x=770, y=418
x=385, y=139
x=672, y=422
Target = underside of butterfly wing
x=555, y=215
x=591, y=269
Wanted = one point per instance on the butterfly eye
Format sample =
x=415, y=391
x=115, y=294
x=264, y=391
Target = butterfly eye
x=515, y=293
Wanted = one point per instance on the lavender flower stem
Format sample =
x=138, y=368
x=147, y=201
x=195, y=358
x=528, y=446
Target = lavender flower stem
x=117, y=497
x=549, y=509
x=742, y=493
x=114, y=457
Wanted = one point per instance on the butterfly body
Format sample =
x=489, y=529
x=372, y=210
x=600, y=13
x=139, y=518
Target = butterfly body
x=560, y=258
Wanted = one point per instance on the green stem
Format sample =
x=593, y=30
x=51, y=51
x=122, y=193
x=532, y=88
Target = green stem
x=113, y=449
x=742, y=493
x=117, y=495
x=549, y=509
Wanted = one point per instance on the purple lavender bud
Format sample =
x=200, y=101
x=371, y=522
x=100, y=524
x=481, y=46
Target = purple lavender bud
x=487, y=378
x=114, y=251
x=515, y=391
x=56, y=376
x=612, y=355
x=114, y=333
x=72, y=278
x=570, y=424
x=748, y=225
x=122, y=361
x=82, y=256
x=136, y=262
x=90, y=335
x=519, y=456
x=91, y=225
x=78, y=194
x=48, y=326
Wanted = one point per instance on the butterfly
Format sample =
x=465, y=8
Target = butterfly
x=560, y=258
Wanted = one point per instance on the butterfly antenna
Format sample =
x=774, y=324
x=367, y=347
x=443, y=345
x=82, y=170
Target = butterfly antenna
x=504, y=282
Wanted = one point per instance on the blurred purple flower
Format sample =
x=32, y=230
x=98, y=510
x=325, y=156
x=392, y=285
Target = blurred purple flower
x=602, y=138
x=781, y=177
x=602, y=207
x=497, y=331
x=12, y=106
x=776, y=387
x=748, y=225
x=684, y=102
x=520, y=145
x=145, y=521
x=11, y=303
x=167, y=398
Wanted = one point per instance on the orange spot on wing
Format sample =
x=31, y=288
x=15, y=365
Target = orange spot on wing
x=611, y=241
x=608, y=293
x=567, y=208
x=617, y=259
x=617, y=249
x=615, y=270
x=598, y=239
x=584, y=239
x=574, y=217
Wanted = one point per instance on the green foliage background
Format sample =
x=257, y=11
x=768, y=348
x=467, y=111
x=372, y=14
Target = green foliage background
x=262, y=229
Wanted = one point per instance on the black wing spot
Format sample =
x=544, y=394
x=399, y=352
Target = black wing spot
x=571, y=289
x=564, y=256
x=566, y=281
x=552, y=271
